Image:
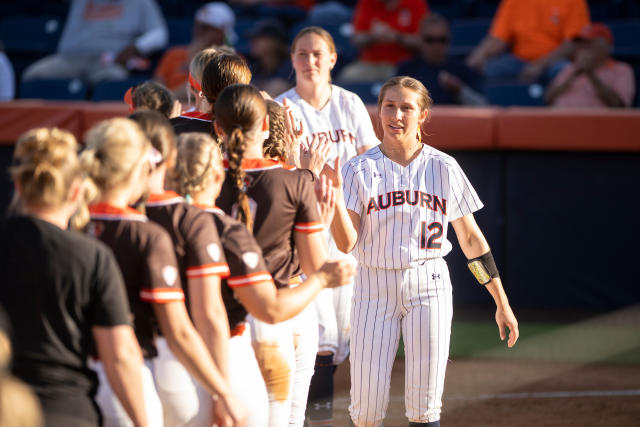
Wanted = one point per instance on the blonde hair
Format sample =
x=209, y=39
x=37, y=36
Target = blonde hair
x=45, y=164
x=318, y=31
x=202, y=58
x=240, y=110
x=199, y=157
x=275, y=146
x=19, y=406
x=158, y=130
x=115, y=148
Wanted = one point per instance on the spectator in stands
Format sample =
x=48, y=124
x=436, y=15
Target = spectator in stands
x=212, y=26
x=538, y=34
x=7, y=77
x=594, y=79
x=269, y=57
x=449, y=80
x=104, y=40
x=385, y=33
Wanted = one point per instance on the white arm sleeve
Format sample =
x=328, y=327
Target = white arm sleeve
x=351, y=188
x=365, y=134
x=463, y=199
x=155, y=35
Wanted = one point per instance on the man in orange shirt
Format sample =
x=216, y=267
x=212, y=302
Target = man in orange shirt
x=212, y=26
x=593, y=80
x=540, y=36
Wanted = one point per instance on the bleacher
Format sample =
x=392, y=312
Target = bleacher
x=30, y=30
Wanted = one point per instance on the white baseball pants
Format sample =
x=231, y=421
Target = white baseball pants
x=416, y=302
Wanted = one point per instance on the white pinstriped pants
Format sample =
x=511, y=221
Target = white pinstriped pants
x=418, y=302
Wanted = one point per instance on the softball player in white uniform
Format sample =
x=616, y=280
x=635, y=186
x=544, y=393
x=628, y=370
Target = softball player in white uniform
x=328, y=113
x=399, y=199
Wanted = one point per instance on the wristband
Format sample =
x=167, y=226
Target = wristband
x=483, y=268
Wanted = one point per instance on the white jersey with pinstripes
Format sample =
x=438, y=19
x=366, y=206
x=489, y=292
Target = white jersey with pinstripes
x=405, y=211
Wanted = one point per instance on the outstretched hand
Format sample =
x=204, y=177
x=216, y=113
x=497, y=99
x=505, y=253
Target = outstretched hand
x=506, y=319
x=315, y=157
x=293, y=134
x=326, y=195
x=333, y=174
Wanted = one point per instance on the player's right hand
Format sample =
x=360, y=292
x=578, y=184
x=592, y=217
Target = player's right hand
x=229, y=412
x=506, y=319
x=338, y=273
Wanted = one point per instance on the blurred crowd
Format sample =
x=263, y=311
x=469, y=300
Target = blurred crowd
x=548, y=47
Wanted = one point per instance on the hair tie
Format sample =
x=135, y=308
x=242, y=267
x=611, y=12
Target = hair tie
x=194, y=83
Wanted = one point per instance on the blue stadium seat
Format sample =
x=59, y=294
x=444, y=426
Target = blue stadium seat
x=30, y=34
x=242, y=28
x=180, y=30
x=368, y=92
x=626, y=34
x=467, y=33
x=54, y=89
x=507, y=95
x=113, y=90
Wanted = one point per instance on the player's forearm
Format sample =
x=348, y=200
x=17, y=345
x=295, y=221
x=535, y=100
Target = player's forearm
x=213, y=327
x=344, y=233
x=122, y=361
x=290, y=302
x=497, y=293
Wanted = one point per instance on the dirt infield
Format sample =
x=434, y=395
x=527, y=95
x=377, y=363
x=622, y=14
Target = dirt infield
x=497, y=393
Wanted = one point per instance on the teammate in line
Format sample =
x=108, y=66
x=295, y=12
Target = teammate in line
x=279, y=205
x=119, y=159
x=63, y=291
x=250, y=288
x=399, y=237
x=201, y=265
x=338, y=117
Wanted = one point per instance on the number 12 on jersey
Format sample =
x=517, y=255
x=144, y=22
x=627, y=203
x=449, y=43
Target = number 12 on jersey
x=432, y=242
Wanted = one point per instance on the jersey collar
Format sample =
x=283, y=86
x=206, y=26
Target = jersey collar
x=197, y=115
x=254, y=165
x=210, y=208
x=107, y=212
x=163, y=199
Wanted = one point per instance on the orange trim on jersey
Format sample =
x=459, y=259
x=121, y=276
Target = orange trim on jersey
x=214, y=269
x=308, y=227
x=250, y=279
x=161, y=295
x=296, y=280
x=166, y=198
x=256, y=164
x=198, y=115
x=128, y=98
x=238, y=330
x=110, y=212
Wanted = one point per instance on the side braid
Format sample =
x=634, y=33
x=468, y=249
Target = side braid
x=236, y=145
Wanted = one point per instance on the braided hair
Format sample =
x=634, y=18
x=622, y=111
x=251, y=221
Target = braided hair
x=240, y=110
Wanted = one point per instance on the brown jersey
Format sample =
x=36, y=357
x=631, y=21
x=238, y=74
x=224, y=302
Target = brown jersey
x=282, y=201
x=148, y=263
x=192, y=122
x=194, y=235
x=246, y=263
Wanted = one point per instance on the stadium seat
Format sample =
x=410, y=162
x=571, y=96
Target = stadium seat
x=113, y=90
x=467, y=33
x=180, y=30
x=507, y=95
x=30, y=34
x=626, y=34
x=368, y=92
x=54, y=89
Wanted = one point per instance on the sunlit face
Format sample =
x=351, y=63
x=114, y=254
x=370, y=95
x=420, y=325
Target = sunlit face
x=400, y=114
x=312, y=59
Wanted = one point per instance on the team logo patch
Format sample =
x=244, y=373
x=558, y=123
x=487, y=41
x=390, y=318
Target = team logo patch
x=250, y=259
x=214, y=251
x=169, y=274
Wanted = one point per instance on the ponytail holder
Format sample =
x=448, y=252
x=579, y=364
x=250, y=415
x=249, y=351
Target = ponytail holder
x=194, y=84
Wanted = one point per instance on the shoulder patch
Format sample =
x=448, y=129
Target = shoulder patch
x=250, y=259
x=169, y=274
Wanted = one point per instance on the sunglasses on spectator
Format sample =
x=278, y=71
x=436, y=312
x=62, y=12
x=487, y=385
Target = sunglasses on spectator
x=441, y=40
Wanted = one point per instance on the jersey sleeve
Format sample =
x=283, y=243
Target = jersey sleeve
x=365, y=134
x=307, y=216
x=204, y=254
x=246, y=264
x=160, y=277
x=351, y=189
x=109, y=303
x=463, y=199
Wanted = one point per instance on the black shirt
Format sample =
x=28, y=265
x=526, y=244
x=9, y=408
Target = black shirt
x=56, y=285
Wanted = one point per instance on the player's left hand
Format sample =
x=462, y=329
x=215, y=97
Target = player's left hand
x=506, y=319
x=315, y=156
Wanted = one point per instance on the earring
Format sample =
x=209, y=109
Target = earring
x=419, y=135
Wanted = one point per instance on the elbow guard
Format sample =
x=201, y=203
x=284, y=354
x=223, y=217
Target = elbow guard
x=483, y=268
